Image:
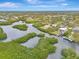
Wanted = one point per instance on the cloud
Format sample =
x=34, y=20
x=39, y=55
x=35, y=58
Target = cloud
x=44, y=6
x=9, y=4
x=32, y=1
x=64, y=4
x=45, y=2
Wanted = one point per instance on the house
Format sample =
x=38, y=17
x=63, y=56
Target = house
x=62, y=30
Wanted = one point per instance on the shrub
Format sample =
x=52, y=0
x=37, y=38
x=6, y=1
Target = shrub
x=14, y=50
x=41, y=35
x=2, y=34
x=69, y=54
x=22, y=27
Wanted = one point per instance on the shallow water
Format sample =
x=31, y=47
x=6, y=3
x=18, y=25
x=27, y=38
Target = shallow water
x=15, y=33
x=62, y=43
x=32, y=42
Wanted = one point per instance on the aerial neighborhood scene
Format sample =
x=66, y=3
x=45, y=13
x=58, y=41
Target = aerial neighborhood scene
x=39, y=29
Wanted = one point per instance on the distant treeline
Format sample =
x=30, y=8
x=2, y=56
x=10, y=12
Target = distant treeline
x=43, y=12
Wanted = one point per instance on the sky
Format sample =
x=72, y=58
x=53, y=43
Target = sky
x=39, y=5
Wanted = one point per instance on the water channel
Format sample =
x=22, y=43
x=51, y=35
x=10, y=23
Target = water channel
x=15, y=33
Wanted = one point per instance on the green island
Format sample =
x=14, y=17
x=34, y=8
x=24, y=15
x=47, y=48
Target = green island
x=69, y=53
x=22, y=27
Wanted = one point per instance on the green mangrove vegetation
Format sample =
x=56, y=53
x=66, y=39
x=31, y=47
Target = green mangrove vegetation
x=25, y=38
x=14, y=49
x=41, y=35
x=67, y=33
x=22, y=27
x=3, y=35
x=69, y=53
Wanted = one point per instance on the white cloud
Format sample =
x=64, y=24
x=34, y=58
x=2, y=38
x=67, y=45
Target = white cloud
x=64, y=4
x=44, y=6
x=9, y=4
x=45, y=2
x=32, y=1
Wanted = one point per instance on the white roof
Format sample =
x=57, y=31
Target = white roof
x=63, y=28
